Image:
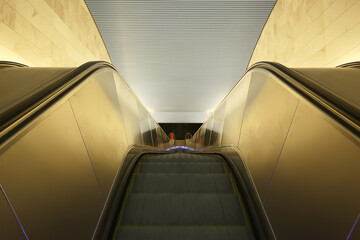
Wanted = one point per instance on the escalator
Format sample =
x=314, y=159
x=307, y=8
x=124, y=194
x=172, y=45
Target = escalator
x=182, y=196
x=82, y=158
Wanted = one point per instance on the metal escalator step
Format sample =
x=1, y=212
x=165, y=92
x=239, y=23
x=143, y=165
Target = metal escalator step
x=183, y=160
x=182, y=183
x=181, y=167
x=183, y=233
x=180, y=155
x=182, y=209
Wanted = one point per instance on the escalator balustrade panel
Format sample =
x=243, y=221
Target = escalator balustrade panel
x=182, y=196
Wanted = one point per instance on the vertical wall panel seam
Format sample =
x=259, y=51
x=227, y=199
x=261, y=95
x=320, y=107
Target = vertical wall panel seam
x=281, y=151
x=13, y=211
x=353, y=227
x=87, y=152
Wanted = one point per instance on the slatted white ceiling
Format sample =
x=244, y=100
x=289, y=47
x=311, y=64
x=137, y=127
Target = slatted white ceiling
x=180, y=57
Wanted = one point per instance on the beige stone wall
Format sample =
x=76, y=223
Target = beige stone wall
x=49, y=33
x=311, y=33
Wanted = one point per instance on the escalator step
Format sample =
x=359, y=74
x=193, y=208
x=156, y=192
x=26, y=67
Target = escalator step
x=182, y=209
x=180, y=167
x=182, y=158
x=164, y=160
x=182, y=183
x=183, y=233
x=182, y=196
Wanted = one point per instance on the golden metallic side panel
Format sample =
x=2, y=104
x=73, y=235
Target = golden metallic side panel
x=235, y=111
x=304, y=163
x=268, y=114
x=9, y=227
x=97, y=110
x=49, y=179
x=129, y=110
x=316, y=182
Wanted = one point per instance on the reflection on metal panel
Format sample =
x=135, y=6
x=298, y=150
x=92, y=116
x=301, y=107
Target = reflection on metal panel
x=144, y=125
x=97, y=110
x=208, y=130
x=200, y=136
x=128, y=104
x=235, y=111
x=318, y=179
x=218, y=125
x=8, y=220
x=153, y=132
x=49, y=179
x=268, y=114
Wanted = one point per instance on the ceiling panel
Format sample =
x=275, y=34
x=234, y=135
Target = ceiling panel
x=181, y=58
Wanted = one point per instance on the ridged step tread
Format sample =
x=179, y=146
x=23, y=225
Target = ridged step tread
x=182, y=196
x=181, y=158
x=182, y=209
x=182, y=183
x=181, y=167
x=180, y=155
x=183, y=233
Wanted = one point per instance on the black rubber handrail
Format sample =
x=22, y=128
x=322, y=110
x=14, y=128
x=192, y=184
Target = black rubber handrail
x=345, y=113
x=11, y=64
x=349, y=65
x=26, y=110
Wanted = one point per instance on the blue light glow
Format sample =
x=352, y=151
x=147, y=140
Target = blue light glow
x=181, y=147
